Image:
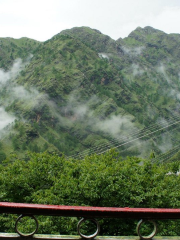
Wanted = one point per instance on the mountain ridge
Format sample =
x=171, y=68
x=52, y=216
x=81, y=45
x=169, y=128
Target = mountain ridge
x=81, y=91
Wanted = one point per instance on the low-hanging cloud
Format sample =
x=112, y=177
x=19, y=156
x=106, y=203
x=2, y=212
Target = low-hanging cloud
x=19, y=92
x=104, y=55
x=5, y=119
x=162, y=70
x=174, y=93
x=115, y=125
x=16, y=68
x=13, y=91
x=137, y=70
x=133, y=51
x=166, y=143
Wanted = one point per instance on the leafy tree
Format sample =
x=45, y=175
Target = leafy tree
x=98, y=180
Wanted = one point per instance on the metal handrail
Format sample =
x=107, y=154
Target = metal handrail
x=146, y=214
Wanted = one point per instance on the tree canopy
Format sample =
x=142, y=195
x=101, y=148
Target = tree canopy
x=99, y=180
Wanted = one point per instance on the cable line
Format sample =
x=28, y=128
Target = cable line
x=152, y=128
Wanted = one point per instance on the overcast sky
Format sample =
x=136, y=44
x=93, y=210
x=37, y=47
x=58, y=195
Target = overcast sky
x=42, y=19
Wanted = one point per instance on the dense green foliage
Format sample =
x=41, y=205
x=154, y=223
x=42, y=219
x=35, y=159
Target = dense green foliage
x=83, y=90
x=98, y=180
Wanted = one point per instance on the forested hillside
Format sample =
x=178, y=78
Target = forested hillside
x=66, y=102
x=82, y=92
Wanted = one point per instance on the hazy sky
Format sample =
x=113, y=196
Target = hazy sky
x=42, y=19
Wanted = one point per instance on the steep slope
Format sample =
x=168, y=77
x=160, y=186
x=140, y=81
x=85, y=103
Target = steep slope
x=153, y=66
x=84, y=92
x=146, y=61
x=70, y=100
x=11, y=49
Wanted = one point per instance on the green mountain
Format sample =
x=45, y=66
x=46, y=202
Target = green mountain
x=82, y=92
x=11, y=49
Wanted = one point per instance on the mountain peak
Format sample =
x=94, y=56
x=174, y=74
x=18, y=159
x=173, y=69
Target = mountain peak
x=145, y=31
x=78, y=30
x=141, y=34
x=91, y=37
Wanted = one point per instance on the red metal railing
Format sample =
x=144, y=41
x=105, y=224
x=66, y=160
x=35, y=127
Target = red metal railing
x=146, y=214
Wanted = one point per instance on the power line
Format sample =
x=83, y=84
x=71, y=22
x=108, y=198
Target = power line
x=144, y=131
x=119, y=139
x=107, y=145
x=163, y=157
x=142, y=136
